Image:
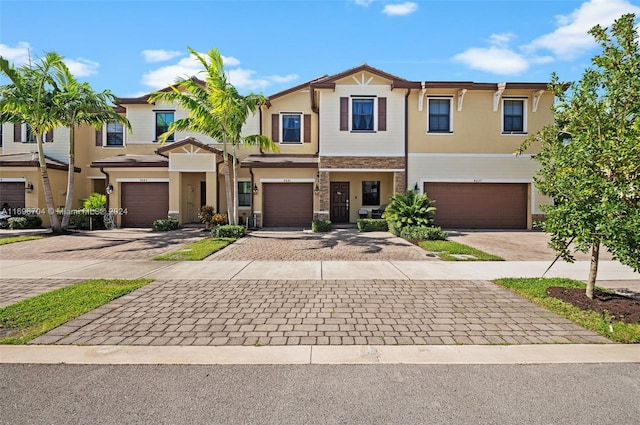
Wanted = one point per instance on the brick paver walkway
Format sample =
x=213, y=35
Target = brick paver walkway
x=224, y=312
x=344, y=244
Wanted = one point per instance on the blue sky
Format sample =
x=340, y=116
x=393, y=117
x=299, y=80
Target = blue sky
x=134, y=47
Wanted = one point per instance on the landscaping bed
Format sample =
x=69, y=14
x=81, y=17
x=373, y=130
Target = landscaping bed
x=619, y=307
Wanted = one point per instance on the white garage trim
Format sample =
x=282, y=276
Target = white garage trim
x=142, y=180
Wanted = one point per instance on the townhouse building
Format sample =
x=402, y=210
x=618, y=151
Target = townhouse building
x=347, y=142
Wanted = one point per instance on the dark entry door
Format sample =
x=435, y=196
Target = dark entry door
x=339, y=202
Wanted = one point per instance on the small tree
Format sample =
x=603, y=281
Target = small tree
x=590, y=157
x=409, y=209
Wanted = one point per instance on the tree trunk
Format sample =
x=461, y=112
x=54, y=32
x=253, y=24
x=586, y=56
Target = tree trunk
x=593, y=269
x=227, y=186
x=46, y=186
x=235, y=186
x=70, y=179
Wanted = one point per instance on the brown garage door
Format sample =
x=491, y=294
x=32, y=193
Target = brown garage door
x=11, y=195
x=145, y=202
x=479, y=205
x=287, y=204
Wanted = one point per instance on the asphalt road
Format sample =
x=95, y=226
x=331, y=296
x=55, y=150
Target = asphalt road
x=318, y=394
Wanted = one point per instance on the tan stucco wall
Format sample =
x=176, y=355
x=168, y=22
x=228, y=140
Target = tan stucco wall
x=355, y=189
x=294, y=102
x=477, y=128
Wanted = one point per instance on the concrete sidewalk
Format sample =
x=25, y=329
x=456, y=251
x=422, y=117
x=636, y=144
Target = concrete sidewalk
x=302, y=270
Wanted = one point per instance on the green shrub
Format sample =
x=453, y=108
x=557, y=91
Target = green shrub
x=206, y=214
x=423, y=233
x=165, y=225
x=95, y=201
x=87, y=219
x=372, y=225
x=25, y=222
x=409, y=209
x=228, y=231
x=320, y=225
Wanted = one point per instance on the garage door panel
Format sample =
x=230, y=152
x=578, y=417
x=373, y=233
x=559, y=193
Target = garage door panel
x=12, y=195
x=479, y=205
x=145, y=203
x=287, y=204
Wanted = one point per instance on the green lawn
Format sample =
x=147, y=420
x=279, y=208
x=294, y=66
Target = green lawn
x=447, y=250
x=197, y=250
x=535, y=289
x=14, y=239
x=32, y=317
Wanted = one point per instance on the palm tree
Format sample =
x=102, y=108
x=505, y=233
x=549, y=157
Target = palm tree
x=217, y=110
x=29, y=99
x=77, y=103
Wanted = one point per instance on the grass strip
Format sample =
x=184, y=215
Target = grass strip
x=535, y=289
x=32, y=317
x=14, y=239
x=197, y=250
x=447, y=250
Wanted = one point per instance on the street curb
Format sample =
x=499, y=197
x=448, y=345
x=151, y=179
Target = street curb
x=306, y=354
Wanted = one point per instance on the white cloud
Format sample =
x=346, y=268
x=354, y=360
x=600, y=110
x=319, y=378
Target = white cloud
x=18, y=55
x=493, y=59
x=501, y=40
x=243, y=79
x=400, y=9
x=160, y=55
x=570, y=39
x=82, y=67
x=364, y=3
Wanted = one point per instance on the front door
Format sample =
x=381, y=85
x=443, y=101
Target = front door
x=339, y=202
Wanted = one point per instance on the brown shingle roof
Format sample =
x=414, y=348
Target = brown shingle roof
x=151, y=160
x=29, y=159
x=280, y=161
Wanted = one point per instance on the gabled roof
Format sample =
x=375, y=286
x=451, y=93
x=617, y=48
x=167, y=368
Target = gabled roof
x=328, y=82
x=151, y=160
x=185, y=142
x=29, y=159
x=293, y=89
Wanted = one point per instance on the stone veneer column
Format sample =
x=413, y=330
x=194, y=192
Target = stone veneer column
x=399, y=180
x=325, y=196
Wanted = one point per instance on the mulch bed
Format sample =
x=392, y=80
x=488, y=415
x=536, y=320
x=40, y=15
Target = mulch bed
x=620, y=307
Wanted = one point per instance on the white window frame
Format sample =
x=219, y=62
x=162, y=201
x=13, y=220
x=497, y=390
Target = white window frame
x=282, y=114
x=243, y=207
x=104, y=138
x=374, y=98
x=441, y=133
x=155, y=123
x=524, y=131
x=23, y=136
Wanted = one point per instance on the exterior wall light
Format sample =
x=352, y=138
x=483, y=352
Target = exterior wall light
x=109, y=189
x=28, y=187
x=416, y=187
x=255, y=189
x=316, y=190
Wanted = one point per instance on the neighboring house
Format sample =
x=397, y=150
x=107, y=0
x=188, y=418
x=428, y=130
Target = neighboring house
x=347, y=143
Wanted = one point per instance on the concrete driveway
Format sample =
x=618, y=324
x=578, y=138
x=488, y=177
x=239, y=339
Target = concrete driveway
x=514, y=245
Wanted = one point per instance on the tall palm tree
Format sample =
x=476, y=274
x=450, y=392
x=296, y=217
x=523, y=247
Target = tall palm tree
x=77, y=103
x=29, y=98
x=217, y=110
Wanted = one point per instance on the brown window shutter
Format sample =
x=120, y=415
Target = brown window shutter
x=17, y=133
x=99, y=137
x=49, y=137
x=275, y=127
x=344, y=114
x=307, y=128
x=382, y=114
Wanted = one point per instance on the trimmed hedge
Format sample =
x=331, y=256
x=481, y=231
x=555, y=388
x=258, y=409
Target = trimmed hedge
x=320, y=226
x=228, y=231
x=372, y=225
x=423, y=233
x=25, y=222
x=165, y=225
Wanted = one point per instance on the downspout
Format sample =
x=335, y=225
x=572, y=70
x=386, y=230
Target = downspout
x=108, y=180
x=406, y=140
x=260, y=128
x=252, y=197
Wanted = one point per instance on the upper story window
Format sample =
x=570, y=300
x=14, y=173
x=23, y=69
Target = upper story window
x=163, y=120
x=22, y=133
x=244, y=194
x=370, y=193
x=291, y=127
x=30, y=136
x=514, y=119
x=439, y=118
x=1, y=133
x=362, y=114
x=115, y=134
